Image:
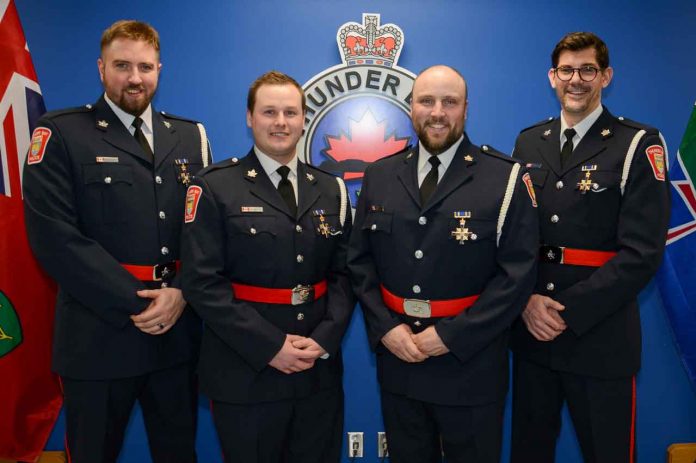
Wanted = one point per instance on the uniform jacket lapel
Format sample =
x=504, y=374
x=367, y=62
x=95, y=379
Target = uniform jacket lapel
x=260, y=185
x=458, y=172
x=593, y=142
x=115, y=133
x=306, y=188
x=408, y=175
x=550, y=149
x=165, y=138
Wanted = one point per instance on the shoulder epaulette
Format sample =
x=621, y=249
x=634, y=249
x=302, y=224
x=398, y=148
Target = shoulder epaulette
x=177, y=118
x=319, y=169
x=62, y=112
x=231, y=162
x=489, y=150
x=538, y=124
x=633, y=124
x=408, y=149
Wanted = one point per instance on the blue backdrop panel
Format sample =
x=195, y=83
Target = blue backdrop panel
x=213, y=50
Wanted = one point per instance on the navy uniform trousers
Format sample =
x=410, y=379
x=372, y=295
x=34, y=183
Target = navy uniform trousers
x=475, y=236
x=610, y=200
x=94, y=200
x=240, y=231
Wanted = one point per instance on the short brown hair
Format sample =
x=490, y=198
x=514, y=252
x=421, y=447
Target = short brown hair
x=576, y=41
x=272, y=78
x=133, y=30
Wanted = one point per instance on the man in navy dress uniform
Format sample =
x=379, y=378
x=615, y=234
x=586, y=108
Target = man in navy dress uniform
x=443, y=259
x=104, y=188
x=604, y=210
x=264, y=265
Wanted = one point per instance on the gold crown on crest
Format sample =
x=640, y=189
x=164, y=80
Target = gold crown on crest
x=368, y=43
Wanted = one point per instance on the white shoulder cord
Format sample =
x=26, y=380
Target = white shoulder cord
x=629, y=158
x=344, y=200
x=506, y=200
x=204, y=144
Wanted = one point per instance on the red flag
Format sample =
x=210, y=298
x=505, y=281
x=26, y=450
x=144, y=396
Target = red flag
x=29, y=393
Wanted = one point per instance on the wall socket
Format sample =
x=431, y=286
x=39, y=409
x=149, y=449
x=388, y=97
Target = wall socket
x=382, y=449
x=355, y=445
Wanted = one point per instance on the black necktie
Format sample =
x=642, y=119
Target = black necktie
x=140, y=136
x=567, y=146
x=430, y=180
x=286, y=190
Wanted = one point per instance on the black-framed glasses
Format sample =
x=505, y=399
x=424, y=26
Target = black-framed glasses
x=586, y=73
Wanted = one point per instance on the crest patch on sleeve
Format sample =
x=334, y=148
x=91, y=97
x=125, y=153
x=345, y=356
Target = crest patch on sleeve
x=193, y=195
x=39, y=141
x=656, y=156
x=530, y=188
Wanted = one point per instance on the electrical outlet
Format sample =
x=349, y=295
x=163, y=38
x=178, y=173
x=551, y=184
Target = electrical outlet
x=355, y=444
x=382, y=449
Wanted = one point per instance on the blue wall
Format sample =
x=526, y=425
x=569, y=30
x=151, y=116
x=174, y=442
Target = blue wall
x=212, y=50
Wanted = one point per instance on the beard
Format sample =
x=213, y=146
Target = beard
x=436, y=147
x=132, y=106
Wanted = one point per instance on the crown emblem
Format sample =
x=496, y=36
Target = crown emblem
x=368, y=43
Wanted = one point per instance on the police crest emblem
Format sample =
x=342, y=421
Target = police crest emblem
x=358, y=111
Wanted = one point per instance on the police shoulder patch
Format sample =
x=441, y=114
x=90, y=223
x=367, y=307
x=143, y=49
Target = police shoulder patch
x=527, y=179
x=39, y=141
x=193, y=195
x=656, y=157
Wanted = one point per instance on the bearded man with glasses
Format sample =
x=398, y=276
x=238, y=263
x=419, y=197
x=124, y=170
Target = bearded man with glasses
x=603, y=197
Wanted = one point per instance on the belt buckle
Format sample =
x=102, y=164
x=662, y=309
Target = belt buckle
x=302, y=294
x=552, y=254
x=162, y=271
x=418, y=308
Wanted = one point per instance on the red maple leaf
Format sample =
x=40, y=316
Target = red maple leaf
x=367, y=141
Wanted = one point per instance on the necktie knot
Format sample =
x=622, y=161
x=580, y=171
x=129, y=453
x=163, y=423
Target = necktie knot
x=284, y=171
x=137, y=123
x=569, y=134
x=434, y=161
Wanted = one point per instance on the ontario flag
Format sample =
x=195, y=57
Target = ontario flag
x=30, y=397
x=677, y=277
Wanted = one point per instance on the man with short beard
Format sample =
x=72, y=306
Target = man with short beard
x=604, y=210
x=104, y=188
x=442, y=258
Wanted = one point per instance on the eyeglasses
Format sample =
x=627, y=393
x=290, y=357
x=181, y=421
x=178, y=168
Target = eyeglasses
x=586, y=73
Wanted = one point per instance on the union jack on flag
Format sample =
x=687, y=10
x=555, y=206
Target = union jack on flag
x=30, y=394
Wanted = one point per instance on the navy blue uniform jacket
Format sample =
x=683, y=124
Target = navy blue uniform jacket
x=391, y=226
x=601, y=309
x=84, y=218
x=243, y=232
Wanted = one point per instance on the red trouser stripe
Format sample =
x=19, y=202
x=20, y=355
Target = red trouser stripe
x=633, y=421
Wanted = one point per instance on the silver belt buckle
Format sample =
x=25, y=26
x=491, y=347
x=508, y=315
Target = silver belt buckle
x=302, y=294
x=417, y=308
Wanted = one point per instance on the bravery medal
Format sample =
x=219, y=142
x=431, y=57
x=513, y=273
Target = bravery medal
x=323, y=228
x=585, y=184
x=184, y=176
x=462, y=233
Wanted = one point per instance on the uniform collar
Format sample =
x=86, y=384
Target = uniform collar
x=581, y=127
x=445, y=157
x=270, y=165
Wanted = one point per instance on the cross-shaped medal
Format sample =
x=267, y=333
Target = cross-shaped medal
x=585, y=184
x=461, y=233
